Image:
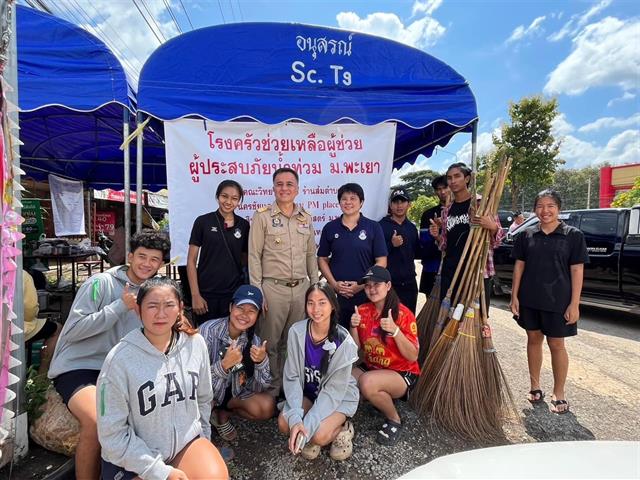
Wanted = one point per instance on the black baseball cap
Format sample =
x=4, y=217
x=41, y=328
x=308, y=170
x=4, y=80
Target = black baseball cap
x=400, y=193
x=376, y=274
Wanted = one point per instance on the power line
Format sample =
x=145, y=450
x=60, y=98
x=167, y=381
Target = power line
x=186, y=14
x=222, y=14
x=233, y=13
x=153, y=19
x=173, y=17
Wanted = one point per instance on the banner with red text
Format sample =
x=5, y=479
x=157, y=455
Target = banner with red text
x=200, y=154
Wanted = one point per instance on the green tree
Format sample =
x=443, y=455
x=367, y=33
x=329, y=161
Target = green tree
x=628, y=198
x=418, y=183
x=573, y=186
x=418, y=206
x=530, y=144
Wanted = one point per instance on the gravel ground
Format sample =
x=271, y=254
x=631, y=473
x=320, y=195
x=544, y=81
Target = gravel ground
x=603, y=390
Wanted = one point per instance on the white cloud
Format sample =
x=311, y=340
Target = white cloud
x=576, y=22
x=520, y=32
x=484, y=146
x=425, y=6
x=625, y=96
x=421, y=163
x=422, y=33
x=560, y=126
x=604, y=53
x=611, y=122
x=126, y=32
x=620, y=149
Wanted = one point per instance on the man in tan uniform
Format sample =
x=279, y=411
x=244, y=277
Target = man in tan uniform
x=282, y=263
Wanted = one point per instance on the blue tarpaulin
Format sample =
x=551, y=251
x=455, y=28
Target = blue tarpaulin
x=72, y=93
x=274, y=72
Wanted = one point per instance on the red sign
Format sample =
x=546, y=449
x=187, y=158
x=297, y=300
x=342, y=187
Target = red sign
x=105, y=222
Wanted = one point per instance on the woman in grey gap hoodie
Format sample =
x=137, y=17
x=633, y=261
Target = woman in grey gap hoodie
x=154, y=396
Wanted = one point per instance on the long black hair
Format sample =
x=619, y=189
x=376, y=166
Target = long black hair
x=328, y=292
x=182, y=324
x=230, y=183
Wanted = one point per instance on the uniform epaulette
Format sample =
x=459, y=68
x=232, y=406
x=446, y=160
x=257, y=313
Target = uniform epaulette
x=263, y=209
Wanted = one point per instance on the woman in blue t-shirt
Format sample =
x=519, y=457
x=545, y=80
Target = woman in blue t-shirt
x=320, y=393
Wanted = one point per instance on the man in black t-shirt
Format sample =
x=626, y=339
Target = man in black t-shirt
x=217, y=255
x=431, y=254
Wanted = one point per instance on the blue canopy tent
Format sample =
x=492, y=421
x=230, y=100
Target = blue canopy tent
x=273, y=72
x=76, y=108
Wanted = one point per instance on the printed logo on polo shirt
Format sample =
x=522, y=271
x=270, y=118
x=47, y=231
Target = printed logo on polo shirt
x=363, y=235
x=414, y=328
x=337, y=235
x=214, y=229
x=237, y=233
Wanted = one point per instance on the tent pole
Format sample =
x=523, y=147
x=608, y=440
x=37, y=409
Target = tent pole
x=127, y=184
x=88, y=210
x=139, y=176
x=474, y=144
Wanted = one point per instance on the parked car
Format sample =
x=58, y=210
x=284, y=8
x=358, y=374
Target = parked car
x=612, y=278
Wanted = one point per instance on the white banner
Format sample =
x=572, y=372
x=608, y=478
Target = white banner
x=201, y=154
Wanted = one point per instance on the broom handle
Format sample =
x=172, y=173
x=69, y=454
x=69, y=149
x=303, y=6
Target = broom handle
x=472, y=286
x=471, y=264
x=459, y=266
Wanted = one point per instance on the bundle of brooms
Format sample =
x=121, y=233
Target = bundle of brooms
x=462, y=385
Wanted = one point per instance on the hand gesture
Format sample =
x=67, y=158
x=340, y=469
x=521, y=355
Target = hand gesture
x=129, y=298
x=199, y=304
x=176, y=474
x=344, y=289
x=484, y=221
x=233, y=356
x=355, y=318
x=396, y=240
x=434, y=226
x=258, y=353
x=387, y=324
x=297, y=429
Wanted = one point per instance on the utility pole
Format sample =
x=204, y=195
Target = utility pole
x=588, y=193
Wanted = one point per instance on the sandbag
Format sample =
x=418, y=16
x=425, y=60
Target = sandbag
x=56, y=429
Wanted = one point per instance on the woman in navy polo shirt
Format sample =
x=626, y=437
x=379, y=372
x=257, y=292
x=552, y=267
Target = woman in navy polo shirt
x=547, y=281
x=349, y=245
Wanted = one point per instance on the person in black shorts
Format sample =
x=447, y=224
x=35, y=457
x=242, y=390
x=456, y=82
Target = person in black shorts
x=547, y=281
x=217, y=255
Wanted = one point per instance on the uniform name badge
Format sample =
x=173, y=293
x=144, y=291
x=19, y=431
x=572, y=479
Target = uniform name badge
x=363, y=235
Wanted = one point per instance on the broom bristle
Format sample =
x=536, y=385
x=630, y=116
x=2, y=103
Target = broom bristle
x=460, y=402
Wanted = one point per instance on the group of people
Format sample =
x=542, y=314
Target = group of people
x=146, y=388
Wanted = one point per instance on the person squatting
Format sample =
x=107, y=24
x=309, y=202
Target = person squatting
x=268, y=338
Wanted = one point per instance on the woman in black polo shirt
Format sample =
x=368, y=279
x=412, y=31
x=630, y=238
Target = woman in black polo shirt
x=547, y=281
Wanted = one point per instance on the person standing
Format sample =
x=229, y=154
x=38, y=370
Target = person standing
x=518, y=219
x=453, y=229
x=545, y=299
x=431, y=254
x=282, y=263
x=401, y=237
x=349, y=245
x=219, y=243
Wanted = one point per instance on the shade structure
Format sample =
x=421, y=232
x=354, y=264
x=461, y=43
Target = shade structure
x=72, y=95
x=277, y=72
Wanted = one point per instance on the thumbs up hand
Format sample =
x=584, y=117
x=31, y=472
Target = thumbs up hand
x=129, y=298
x=355, y=318
x=434, y=226
x=387, y=324
x=258, y=353
x=396, y=240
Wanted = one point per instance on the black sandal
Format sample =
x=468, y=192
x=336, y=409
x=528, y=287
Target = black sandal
x=536, y=393
x=556, y=403
x=389, y=434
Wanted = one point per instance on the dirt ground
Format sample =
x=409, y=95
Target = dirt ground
x=602, y=388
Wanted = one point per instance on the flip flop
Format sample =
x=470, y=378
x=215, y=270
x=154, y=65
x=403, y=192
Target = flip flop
x=556, y=403
x=536, y=393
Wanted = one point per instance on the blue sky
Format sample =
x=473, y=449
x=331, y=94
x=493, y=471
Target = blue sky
x=585, y=53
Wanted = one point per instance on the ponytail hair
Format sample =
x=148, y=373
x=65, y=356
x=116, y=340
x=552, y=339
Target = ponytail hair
x=328, y=292
x=391, y=302
x=182, y=323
